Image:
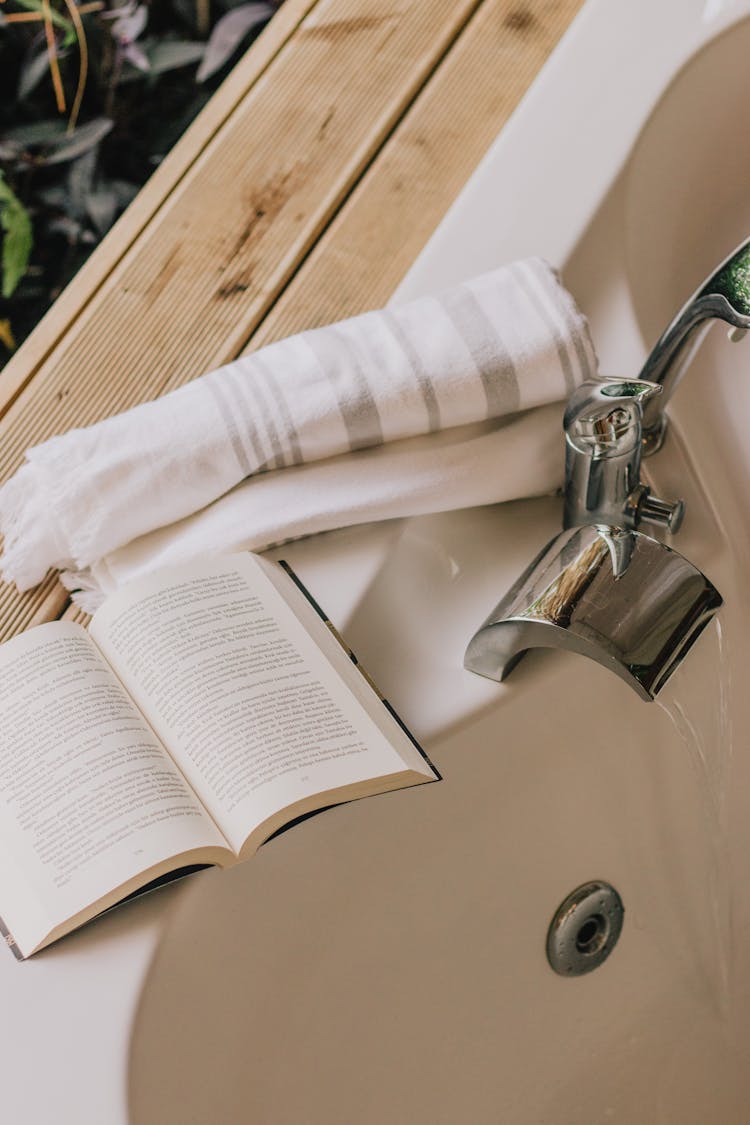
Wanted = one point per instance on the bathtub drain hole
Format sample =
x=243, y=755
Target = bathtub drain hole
x=592, y=934
x=585, y=929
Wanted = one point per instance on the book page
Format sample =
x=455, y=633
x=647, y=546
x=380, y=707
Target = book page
x=88, y=796
x=253, y=712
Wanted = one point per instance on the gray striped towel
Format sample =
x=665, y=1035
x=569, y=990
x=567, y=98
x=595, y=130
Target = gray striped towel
x=498, y=344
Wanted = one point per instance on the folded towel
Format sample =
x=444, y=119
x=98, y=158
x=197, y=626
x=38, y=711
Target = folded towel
x=459, y=468
x=496, y=345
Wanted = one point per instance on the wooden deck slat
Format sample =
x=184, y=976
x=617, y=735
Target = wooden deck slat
x=337, y=233
x=24, y=365
x=185, y=296
x=378, y=233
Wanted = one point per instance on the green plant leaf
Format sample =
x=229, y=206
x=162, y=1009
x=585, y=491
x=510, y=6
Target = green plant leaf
x=18, y=238
x=58, y=20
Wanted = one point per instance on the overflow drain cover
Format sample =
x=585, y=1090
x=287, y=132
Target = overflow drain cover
x=585, y=929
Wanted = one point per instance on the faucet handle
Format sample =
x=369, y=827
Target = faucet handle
x=644, y=507
x=604, y=417
x=603, y=434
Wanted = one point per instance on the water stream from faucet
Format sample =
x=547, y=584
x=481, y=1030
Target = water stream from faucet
x=703, y=722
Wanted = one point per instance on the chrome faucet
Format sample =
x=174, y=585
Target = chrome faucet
x=616, y=595
x=601, y=587
x=603, y=426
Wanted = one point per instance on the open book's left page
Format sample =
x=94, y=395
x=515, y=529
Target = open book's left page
x=89, y=799
x=242, y=687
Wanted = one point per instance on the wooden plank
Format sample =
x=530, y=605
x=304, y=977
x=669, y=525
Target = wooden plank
x=187, y=294
x=23, y=366
x=440, y=128
x=376, y=236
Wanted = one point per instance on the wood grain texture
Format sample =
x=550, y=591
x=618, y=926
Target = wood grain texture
x=24, y=365
x=377, y=234
x=250, y=207
x=308, y=203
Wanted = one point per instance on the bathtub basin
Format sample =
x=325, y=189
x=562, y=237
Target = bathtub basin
x=386, y=961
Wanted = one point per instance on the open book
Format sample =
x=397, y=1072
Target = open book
x=206, y=706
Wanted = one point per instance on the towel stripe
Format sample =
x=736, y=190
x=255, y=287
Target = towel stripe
x=539, y=298
x=277, y=461
x=259, y=419
x=498, y=341
x=576, y=328
x=247, y=410
x=276, y=393
x=487, y=350
x=418, y=369
x=339, y=361
x=218, y=390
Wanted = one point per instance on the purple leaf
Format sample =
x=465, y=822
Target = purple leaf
x=26, y=136
x=128, y=27
x=228, y=33
x=125, y=192
x=33, y=71
x=101, y=208
x=136, y=57
x=79, y=141
x=49, y=142
x=69, y=228
x=81, y=182
x=55, y=196
x=118, y=12
x=169, y=54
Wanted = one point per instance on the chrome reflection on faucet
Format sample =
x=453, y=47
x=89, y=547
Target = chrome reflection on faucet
x=616, y=595
x=603, y=443
x=724, y=295
x=602, y=588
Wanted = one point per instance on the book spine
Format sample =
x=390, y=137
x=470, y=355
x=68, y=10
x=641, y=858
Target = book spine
x=362, y=671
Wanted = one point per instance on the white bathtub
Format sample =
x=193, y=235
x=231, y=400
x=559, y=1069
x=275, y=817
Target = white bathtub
x=386, y=961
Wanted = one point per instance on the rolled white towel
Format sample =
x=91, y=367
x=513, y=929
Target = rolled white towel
x=459, y=468
x=493, y=346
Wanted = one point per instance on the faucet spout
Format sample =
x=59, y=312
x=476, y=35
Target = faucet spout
x=602, y=588
x=724, y=295
x=615, y=595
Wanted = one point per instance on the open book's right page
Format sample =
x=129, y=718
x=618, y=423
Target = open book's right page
x=252, y=696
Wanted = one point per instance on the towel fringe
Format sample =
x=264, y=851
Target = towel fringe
x=84, y=589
